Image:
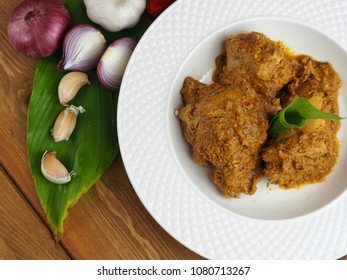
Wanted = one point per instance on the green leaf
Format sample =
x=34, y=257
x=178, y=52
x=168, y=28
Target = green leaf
x=92, y=146
x=295, y=115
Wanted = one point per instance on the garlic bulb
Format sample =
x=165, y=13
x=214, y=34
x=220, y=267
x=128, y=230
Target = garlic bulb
x=53, y=170
x=115, y=15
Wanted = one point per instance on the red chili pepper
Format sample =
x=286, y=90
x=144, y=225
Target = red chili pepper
x=156, y=7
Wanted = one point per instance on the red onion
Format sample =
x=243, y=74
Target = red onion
x=113, y=62
x=37, y=27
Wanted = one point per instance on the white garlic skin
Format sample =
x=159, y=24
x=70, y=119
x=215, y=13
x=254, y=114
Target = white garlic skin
x=115, y=15
x=53, y=170
x=70, y=84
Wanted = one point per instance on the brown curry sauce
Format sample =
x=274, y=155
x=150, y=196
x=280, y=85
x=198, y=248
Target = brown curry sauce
x=226, y=122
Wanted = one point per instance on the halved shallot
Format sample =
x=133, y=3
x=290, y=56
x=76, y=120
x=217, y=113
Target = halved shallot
x=113, y=62
x=83, y=46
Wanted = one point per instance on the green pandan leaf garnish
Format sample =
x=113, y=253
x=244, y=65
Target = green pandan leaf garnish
x=296, y=114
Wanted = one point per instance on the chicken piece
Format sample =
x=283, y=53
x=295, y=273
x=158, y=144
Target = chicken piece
x=192, y=91
x=315, y=79
x=302, y=158
x=226, y=127
x=261, y=61
x=307, y=154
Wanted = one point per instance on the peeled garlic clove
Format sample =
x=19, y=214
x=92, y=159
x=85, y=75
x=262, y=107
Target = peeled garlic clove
x=113, y=62
x=65, y=123
x=82, y=48
x=53, y=170
x=70, y=84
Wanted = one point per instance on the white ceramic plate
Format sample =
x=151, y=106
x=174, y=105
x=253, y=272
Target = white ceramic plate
x=307, y=224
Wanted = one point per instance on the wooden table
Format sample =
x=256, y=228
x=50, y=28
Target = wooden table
x=108, y=222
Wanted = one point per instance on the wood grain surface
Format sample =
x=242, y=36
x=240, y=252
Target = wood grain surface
x=23, y=235
x=108, y=222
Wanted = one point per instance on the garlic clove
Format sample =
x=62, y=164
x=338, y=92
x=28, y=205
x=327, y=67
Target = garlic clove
x=113, y=62
x=53, y=170
x=65, y=123
x=82, y=48
x=70, y=84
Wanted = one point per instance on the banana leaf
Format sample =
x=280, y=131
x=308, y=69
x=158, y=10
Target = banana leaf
x=93, y=145
x=296, y=114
